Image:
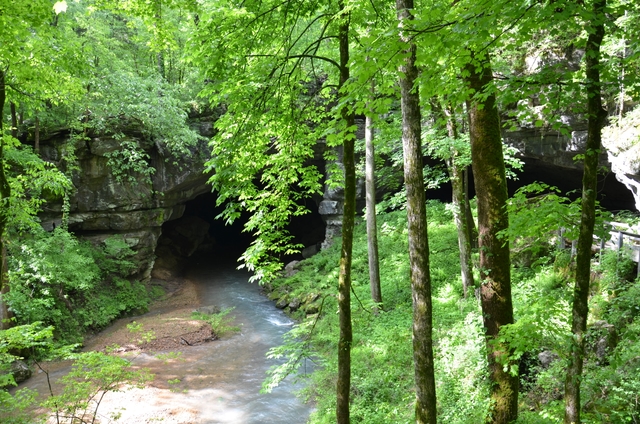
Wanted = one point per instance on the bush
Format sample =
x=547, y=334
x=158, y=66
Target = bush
x=72, y=285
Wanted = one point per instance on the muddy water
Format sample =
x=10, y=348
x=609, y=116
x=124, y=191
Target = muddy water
x=213, y=383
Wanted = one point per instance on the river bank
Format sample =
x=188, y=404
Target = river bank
x=197, y=380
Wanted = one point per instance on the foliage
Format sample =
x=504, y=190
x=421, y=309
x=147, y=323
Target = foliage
x=20, y=338
x=383, y=342
x=221, y=324
x=136, y=328
x=542, y=296
x=537, y=212
x=15, y=408
x=72, y=285
x=92, y=376
x=33, y=182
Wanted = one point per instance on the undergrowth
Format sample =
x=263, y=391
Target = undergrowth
x=382, y=386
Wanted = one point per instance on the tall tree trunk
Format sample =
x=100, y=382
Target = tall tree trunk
x=36, y=136
x=372, y=228
x=160, y=55
x=348, y=221
x=596, y=116
x=471, y=225
x=417, y=226
x=14, y=120
x=495, y=273
x=456, y=174
x=5, y=193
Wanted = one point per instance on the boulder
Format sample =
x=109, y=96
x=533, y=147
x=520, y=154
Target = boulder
x=546, y=358
x=209, y=310
x=291, y=269
x=294, y=305
x=20, y=371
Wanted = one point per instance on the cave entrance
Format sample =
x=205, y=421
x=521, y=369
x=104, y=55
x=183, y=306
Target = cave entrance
x=198, y=231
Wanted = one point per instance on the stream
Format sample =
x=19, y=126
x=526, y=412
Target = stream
x=217, y=382
x=241, y=358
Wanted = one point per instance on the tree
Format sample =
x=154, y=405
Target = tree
x=495, y=273
x=596, y=116
x=425, y=407
x=455, y=151
x=348, y=221
x=459, y=188
x=5, y=194
x=18, y=21
x=370, y=188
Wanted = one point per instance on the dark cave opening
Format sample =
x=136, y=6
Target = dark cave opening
x=198, y=230
x=612, y=194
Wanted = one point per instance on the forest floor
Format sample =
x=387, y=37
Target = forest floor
x=163, y=344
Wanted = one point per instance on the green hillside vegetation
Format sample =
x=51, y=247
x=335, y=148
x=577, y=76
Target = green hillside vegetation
x=382, y=381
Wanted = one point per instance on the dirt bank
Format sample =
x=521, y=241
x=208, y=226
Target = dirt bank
x=166, y=342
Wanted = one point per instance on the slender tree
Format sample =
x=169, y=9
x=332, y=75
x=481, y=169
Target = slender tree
x=348, y=222
x=370, y=189
x=5, y=193
x=495, y=274
x=596, y=116
x=460, y=205
x=425, y=407
x=455, y=153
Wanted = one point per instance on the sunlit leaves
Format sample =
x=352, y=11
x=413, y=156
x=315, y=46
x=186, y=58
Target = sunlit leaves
x=59, y=7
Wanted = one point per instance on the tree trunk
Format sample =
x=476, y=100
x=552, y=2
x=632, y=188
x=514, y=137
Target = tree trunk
x=160, y=54
x=5, y=193
x=417, y=226
x=456, y=174
x=36, y=136
x=348, y=221
x=471, y=224
x=596, y=116
x=372, y=229
x=14, y=119
x=495, y=273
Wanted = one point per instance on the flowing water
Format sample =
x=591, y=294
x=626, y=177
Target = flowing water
x=241, y=359
x=216, y=382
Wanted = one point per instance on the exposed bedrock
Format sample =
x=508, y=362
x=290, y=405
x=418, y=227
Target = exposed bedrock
x=125, y=203
x=171, y=213
x=549, y=158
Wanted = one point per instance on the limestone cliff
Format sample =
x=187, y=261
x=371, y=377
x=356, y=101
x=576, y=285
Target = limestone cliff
x=129, y=204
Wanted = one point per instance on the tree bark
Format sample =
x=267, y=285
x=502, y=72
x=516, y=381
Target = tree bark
x=36, y=136
x=495, y=273
x=425, y=409
x=348, y=222
x=372, y=228
x=457, y=177
x=5, y=193
x=580, y=312
x=471, y=224
x=14, y=120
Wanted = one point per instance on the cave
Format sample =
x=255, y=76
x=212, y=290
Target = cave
x=612, y=194
x=198, y=231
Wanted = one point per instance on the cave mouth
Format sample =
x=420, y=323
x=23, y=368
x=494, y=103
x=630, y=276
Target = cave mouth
x=198, y=231
x=612, y=194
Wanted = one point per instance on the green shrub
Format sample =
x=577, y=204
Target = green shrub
x=220, y=322
x=72, y=285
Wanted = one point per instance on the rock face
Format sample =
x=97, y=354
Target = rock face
x=127, y=204
x=549, y=157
